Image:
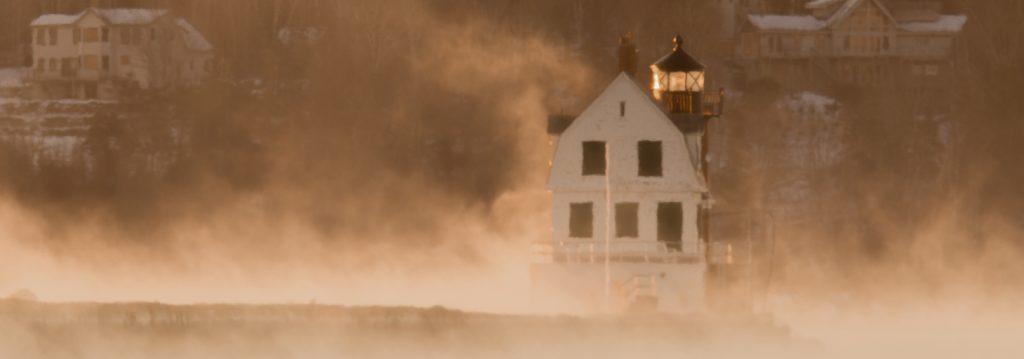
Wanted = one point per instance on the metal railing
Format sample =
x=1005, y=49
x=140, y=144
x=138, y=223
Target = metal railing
x=595, y=251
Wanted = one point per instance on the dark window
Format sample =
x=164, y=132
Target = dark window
x=126, y=36
x=594, y=158
x=581, y=220
x=622, y=108
x=106, y=63
x=76, y=36
x=885, y=43
x=91, y=35
x=41, y=37
x=53, y=36
x=670, y=224
x=649, y=155
x=626, y=220
x=106, y=34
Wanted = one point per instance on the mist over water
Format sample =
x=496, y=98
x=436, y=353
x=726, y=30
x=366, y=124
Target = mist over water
x=402, y=160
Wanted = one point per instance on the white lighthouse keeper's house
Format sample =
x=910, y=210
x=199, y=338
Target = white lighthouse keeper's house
x=630, y=195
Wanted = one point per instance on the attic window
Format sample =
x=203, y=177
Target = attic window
x=649, y=158
x=594, y=158
x=581, y=220
x=622, y=108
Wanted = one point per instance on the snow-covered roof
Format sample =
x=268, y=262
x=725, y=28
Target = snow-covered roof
x=55, y=20
x=194, y=40
x=130, y=16
x=113, y=16
x=309, y=35
x=945, y=23
x=787, y=22
x=817, y=4
x=850, y=5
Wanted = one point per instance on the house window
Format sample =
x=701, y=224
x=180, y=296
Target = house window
x=125, y=35
x=136, y=36
x=76, y=36
x=581, y=220
x=649, y=158
x=40, y=65
x=594, y=158
x=41, y=37
x=670, y=224
x=152, y=34
x=91, y=34
x=90, y=62
x=106, y=63
x=846, y=43
x=53, y=65
x=126, y=60
x=885, y=43
x=106, y=34
x=627, y=219
x=53, y=36
x=622, y=109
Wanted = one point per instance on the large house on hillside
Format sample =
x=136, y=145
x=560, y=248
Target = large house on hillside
x=852, y=42
x=99, y=53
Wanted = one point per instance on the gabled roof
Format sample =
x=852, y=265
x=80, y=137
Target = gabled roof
x=130, y=16
x=812, y=23
x=55, y=20
x=818, y=4
x=787, y=22
x=844, y=11
x=945, y=23
x=624, y=87
x=111, y=16
x=194, y=40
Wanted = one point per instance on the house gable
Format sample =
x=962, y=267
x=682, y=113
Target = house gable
x=862, y=15
x=623, y=116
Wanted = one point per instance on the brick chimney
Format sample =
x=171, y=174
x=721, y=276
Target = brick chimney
x=628, y=55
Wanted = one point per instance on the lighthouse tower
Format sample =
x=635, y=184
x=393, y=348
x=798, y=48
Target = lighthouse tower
x=629, y=191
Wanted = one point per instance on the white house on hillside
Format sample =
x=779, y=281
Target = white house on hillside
x=99, y=52
x=629, y=194
x=853, y=42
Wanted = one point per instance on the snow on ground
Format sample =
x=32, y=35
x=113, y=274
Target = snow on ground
x=811, y=141
x=50, y=129
x=12, y=77
x=803, y=101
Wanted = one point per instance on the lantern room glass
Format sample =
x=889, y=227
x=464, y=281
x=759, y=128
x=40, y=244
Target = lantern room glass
x=691, y=81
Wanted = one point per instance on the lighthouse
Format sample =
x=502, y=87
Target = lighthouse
x=630, y=194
